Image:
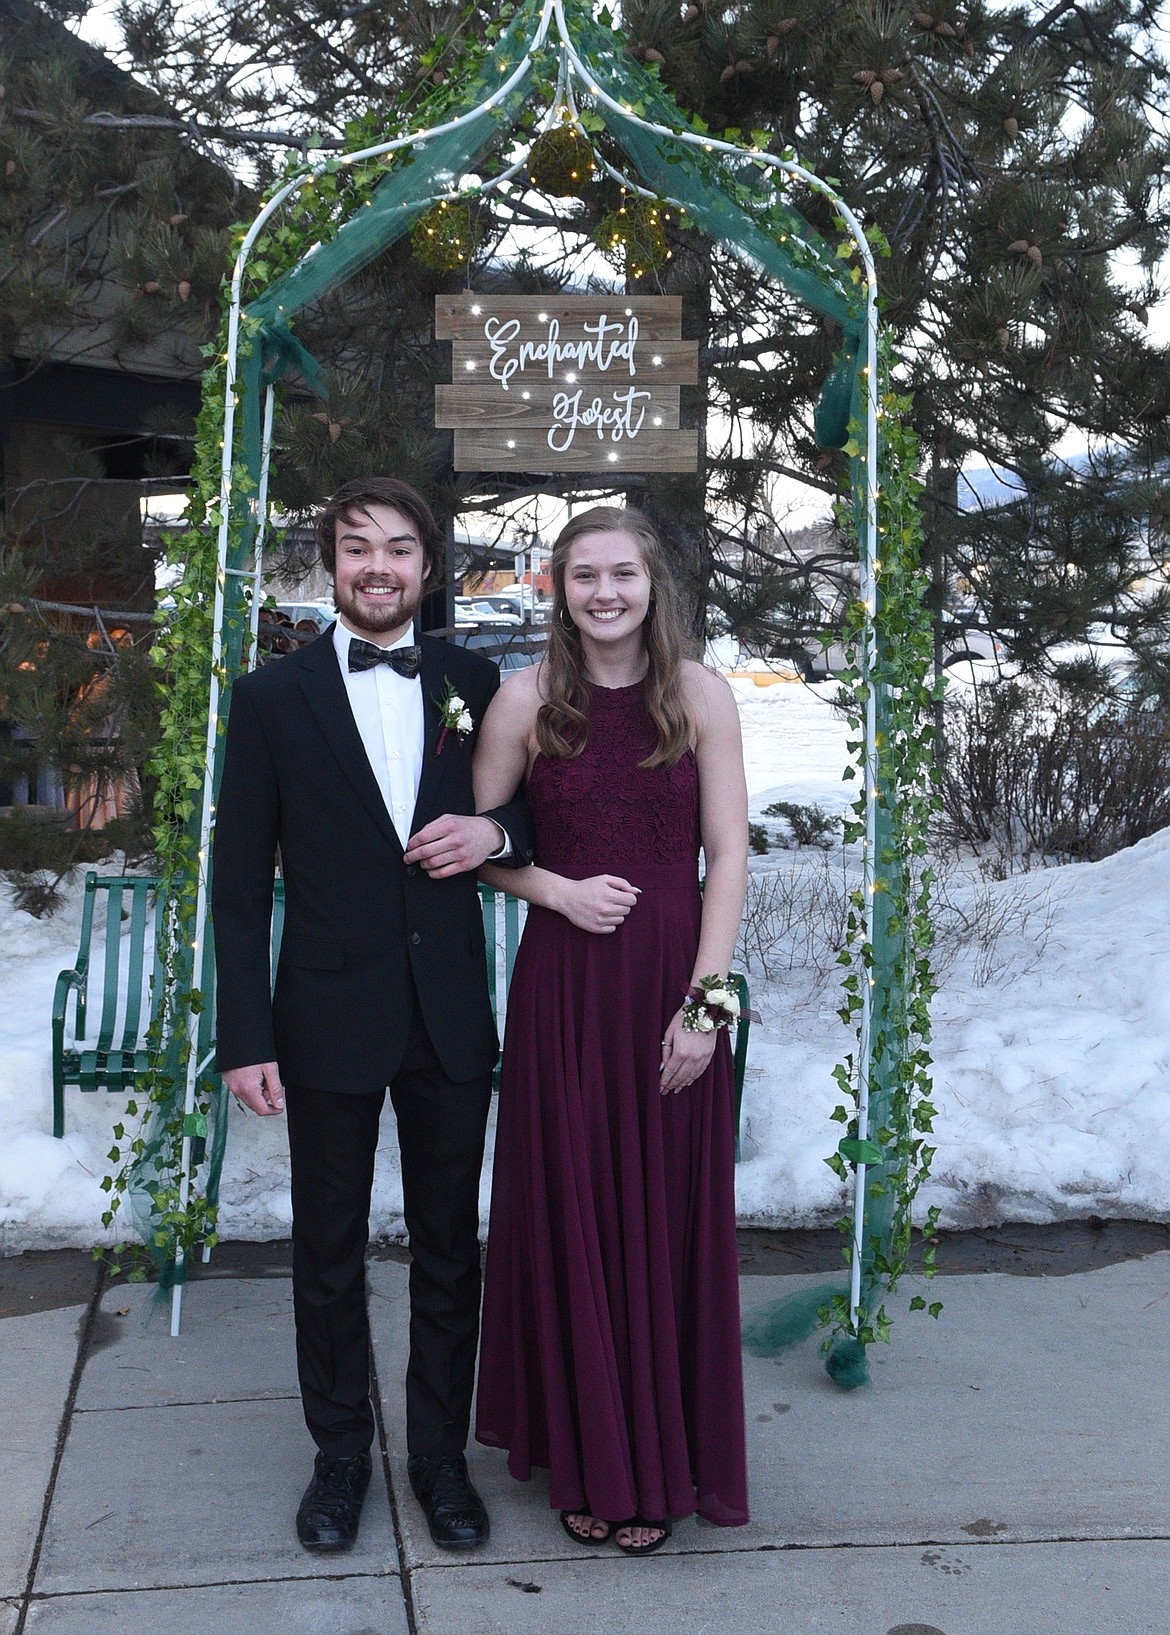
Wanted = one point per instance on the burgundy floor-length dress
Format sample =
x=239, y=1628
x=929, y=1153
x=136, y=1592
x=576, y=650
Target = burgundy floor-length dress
x=610, y=1351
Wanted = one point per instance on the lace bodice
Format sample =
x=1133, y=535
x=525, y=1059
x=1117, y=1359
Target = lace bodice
x=604, y=813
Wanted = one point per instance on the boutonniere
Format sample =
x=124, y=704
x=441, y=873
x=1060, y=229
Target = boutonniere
x=455, y=716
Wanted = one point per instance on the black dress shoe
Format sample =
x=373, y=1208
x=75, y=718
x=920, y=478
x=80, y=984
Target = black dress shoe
x=332, y=1506
x=455, y=1512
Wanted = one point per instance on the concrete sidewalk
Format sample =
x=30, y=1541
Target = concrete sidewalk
x=1007, y=1474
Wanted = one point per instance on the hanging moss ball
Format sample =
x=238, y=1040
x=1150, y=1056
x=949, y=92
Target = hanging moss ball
x=444, y=238
x=633, y=237
x=561, y=161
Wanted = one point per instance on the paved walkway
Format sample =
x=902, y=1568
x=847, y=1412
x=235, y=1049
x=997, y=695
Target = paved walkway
x=1007, y=1474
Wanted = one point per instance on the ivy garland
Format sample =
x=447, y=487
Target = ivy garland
x=150, y=1160
x=896, y=1151
x=146, y=1156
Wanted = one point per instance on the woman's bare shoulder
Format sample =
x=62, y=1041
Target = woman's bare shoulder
x=521, y=693
x=707, y=693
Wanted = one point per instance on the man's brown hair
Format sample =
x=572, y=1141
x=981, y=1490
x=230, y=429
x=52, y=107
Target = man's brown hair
x=355, y=497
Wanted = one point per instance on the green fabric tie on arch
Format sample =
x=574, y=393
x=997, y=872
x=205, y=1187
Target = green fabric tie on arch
x=763, y=231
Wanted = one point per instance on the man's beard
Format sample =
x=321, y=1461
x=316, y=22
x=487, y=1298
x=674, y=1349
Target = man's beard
x=375, y=618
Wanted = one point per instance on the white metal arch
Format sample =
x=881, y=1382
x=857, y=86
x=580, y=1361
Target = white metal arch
x=552, y=14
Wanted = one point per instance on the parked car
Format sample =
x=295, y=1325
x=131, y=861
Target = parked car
x=477, y=610
x=508, y=651
x=965, y=645
x=289, y=625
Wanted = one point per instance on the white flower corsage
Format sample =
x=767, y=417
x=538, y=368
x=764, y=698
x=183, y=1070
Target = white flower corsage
x=455, y=716
x=712, y=1003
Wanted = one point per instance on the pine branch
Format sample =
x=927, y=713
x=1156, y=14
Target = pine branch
x=190, y=128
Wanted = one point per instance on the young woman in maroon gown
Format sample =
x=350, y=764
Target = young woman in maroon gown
x=610, y=1352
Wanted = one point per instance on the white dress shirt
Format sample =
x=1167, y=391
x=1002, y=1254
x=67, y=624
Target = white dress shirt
x=388, y=710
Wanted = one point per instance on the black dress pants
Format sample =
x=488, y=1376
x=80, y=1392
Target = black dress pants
x=332, y=1140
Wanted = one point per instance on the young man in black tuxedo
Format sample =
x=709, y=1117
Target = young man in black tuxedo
x=353, y=757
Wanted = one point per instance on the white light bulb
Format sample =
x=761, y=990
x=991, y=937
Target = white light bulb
x=656, y=359
x=542, y=317
x=511, y=442
x=613, y=458
x=526, y=396
x=475, y=311
x=470, y=364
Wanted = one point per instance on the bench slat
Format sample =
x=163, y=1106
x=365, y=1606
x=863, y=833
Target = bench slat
x=110, y=973
x=134, y=975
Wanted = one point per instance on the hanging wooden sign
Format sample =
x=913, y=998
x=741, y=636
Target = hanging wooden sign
x=566, y=382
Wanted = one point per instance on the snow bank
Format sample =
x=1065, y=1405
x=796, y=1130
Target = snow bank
x=1052, y=1048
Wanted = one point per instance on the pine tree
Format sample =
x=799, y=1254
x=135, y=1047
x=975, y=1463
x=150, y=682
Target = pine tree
x=1013, y=159
x=112, y=240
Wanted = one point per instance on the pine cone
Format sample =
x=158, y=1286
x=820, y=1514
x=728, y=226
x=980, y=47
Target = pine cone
x=1011, y=125
x=865, y=76
x=150, y=287
x=653, y=56
x=10, y=168
x=1140, y=311
x=691, y=14
x=772, y=44
x=877, y=91
x=1003, y=337
x=946, y=30
x=184, y=289
x=1019, y=246
x=728, y=73
x=1035, y=255
x=924, y=19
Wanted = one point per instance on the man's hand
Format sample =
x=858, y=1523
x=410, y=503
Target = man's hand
x=257, y=1087
x=452, y=845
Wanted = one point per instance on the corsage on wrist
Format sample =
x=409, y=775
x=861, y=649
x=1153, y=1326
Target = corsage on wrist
x=712, y=1004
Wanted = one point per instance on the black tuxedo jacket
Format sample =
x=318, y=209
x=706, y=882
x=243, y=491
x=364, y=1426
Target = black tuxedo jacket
x=362, y=931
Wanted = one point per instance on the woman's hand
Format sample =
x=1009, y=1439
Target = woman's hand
x=684, y=1054
x=599, y=904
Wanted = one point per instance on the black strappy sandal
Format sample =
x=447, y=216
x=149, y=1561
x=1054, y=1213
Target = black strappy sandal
x=662, y=1528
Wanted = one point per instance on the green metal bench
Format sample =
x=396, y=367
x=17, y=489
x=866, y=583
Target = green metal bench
x=113, y=1057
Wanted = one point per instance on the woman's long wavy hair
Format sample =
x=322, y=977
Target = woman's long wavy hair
x=562, y=724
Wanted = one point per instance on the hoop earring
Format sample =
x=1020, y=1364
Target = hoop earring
x=565, y=619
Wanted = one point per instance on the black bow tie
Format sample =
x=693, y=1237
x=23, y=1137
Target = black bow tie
x=365, y=655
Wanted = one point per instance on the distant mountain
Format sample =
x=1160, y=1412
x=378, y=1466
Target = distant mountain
x=983, y=486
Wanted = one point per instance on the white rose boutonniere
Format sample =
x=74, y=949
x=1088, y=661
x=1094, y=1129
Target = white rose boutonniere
x=455, y=716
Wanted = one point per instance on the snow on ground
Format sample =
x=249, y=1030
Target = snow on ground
x=1052, y=1043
